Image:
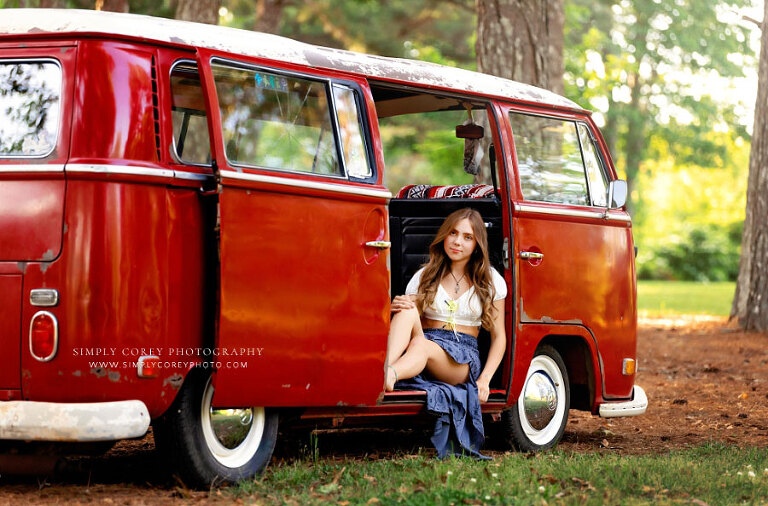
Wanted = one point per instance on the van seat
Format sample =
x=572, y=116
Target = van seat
x=464, y=191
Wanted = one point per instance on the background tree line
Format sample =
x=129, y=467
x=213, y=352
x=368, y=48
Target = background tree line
x=664, y=77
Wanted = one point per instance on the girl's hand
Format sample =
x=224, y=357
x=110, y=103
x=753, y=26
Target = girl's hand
x=483, y=389
x=402, y=303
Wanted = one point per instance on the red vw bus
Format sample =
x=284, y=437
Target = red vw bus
x=201, y=229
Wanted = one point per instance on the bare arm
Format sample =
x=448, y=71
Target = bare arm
x=495, y=353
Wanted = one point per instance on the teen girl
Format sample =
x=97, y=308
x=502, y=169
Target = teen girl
x=435, y=326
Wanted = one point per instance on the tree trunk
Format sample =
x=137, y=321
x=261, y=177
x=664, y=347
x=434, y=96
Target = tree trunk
x=522, y=40
x=636, y=136
x=268, y=16
x=112, y=5
x=201, y=11
x=51, y=4
x=750, y=302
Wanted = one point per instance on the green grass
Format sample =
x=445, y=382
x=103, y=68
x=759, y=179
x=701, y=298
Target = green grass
x=684, y=297
x=715, y=474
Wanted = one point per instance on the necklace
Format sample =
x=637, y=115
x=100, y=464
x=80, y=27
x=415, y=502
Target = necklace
x=458, y=282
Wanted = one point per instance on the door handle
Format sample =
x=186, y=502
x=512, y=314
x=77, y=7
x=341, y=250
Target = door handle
x=379, y=244
x=531, y=255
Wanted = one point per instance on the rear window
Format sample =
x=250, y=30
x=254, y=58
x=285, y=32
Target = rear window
x=30, y=99
x=190, y=124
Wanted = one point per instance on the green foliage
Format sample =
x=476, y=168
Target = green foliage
x=159, y=8
x=640, y=64
x=713, y=474
x=702, y=253
x=418, y=29
x=689, y=224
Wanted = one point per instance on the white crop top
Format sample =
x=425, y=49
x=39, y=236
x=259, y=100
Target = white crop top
x=468, y=310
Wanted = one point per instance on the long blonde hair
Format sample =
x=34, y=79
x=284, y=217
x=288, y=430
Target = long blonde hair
x=478, y=268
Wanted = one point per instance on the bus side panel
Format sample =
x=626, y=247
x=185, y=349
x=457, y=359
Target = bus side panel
x=131, y=273
x=112, y=279
x=10, y=302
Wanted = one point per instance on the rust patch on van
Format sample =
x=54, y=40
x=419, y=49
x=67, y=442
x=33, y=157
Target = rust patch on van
x=48, y=256
x=22, y=267
x=523, y=315
x=175, y=380
x=77, y=373
x=100, y=372
x=524, y=318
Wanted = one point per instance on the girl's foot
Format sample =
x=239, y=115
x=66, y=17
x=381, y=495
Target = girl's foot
x=391, y=379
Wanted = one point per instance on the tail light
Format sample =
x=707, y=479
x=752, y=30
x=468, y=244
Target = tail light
x=148, y=366
x=43, y=336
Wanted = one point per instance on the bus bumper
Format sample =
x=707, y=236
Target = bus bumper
x=633, y=407
x=53, y=421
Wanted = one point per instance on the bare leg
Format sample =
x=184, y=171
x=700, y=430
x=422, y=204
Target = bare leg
x=425, y=354
x=405, y=324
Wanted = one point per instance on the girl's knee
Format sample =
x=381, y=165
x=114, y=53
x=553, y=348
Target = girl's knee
x=418, y=342
x=407, y=314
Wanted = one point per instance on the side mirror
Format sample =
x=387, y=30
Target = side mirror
x=617, y=194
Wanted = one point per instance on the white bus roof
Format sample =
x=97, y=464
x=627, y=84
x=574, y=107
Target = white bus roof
x=263, y=45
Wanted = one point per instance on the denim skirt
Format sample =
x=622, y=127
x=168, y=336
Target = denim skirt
x=459, y=421
x=459, y=346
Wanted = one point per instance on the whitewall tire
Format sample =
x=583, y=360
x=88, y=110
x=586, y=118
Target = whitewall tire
x=210, y=446
x=537, y=421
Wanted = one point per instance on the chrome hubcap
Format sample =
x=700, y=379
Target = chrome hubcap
x=231, y=426
x=540, y=400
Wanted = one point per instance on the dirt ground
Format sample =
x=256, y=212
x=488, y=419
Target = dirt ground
x=705, y=380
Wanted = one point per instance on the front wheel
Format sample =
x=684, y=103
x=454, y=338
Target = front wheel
x=537, y=421
x=210, y=446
